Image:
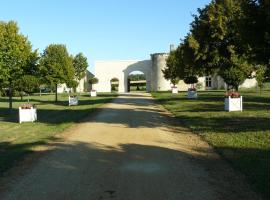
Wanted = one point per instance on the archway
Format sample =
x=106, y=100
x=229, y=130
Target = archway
x=121, y=71
x=114, y=85
x=136, y=82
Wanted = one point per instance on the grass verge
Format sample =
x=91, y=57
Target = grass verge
x=243, y=138
x=17, y=140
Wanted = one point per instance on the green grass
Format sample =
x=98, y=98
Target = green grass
x=243, y=138
x=17, y=140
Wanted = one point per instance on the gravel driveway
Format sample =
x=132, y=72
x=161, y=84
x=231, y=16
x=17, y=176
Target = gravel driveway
x=131, y=149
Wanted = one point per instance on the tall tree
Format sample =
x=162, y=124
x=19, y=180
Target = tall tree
x=15, y=55
x=221, y=48
x=27, y=84
x=171, y=70
x=260, y=76
x=182, y=63
x=30, y=80
x=80, y=65
x=255, y=30
x=56, y=66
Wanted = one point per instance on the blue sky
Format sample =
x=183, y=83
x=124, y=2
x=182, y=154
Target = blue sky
x=103, y=29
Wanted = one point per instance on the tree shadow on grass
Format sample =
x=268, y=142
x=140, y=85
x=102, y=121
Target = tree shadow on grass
x=63, y=114
x=254, y=163
x=11, y=154
x=226, y=124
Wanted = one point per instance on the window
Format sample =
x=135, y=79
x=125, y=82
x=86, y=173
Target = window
x=208, y=81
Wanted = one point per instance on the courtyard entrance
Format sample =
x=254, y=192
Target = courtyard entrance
x=136, y=82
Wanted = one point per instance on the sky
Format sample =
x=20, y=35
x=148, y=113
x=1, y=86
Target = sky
x=103, y=29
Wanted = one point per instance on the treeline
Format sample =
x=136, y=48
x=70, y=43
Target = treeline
x=136, y=77
x=23, y=69
x=229, y=38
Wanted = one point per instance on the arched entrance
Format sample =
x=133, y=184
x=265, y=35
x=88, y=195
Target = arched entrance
x=136, y=82
x=114, y=85
x=105, y=71
x=141, y=67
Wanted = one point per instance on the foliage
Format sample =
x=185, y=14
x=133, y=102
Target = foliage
x=114, y=84
x=93, y=80
x=171, y=70
x=27, y=83
x=260, y=76
x=221, y=49
x=72, y=84
x=56, y=66
x=255, y=30
x=80, y=65
x=191, y=80
x=15, y=55
x=232, y=94
x=136, y=77
x=181, y=64
x=199, y=85
x=235, y=71
x=114, y=80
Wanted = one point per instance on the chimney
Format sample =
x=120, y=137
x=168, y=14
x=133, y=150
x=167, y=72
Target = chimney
x=172, y=48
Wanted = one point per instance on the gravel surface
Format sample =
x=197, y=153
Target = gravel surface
x=130, y=149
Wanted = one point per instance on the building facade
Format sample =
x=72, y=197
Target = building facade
x=83, y=85
x=106, y=71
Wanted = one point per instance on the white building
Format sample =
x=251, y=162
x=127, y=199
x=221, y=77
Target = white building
x=83, y=86
x=105, y=71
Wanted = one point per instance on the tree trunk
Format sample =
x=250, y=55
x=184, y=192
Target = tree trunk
x=56, y=93
x=10, y=96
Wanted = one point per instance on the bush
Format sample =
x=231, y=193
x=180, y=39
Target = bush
x=191, y=80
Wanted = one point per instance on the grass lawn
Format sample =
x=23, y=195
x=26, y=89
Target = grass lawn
x=17, y=140
x=243, y=138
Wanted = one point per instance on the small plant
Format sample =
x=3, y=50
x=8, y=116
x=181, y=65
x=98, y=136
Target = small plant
x=232, y=94
x=199, y=86
x=93, y=80
x=28, y=106
x=192, y=89
x=191, y=80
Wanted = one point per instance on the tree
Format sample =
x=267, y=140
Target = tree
x=182, y=63
x=93, y=81
x=220, y=48
x=255, y=30
x=260, y=76
x=30, y=80
x=191, y=80
x=72, y=84
x=171, y=70
x=27, y=84
x=56, y=66
x=15, y=55
x=80, y=65
x=114, y=83
x=235, y=70
x=137, y=77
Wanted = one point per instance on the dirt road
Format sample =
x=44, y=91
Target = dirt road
x=130, y=150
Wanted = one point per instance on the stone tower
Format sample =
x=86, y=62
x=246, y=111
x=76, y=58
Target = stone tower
x=158, y=82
